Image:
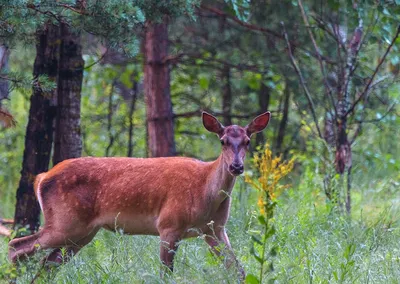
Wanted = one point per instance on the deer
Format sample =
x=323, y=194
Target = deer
x=171, y=197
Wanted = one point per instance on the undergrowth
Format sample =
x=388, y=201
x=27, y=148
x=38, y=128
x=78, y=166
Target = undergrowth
x=313, y=244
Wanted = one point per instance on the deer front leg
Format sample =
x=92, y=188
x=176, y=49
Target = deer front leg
x=214, y=240
x=168, y=247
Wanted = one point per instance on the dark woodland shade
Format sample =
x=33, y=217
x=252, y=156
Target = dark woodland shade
x=39, y=132
x=59, y=56
x=4, y=84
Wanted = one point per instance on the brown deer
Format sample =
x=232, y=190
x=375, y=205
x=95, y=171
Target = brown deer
x=175, y=198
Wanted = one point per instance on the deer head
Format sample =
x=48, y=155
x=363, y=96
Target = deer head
x=235, y=139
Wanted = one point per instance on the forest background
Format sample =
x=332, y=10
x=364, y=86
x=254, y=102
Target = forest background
x=131, y=78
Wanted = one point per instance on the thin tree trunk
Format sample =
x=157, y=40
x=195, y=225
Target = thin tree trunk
x=348, y=193
x=111, y=137
x=131, y=111
x=263, y=101
x=284, y=120
x=4, y=55
x=39, y=132
x=68, y=143
x=343, y=157
x=160, y=125
x=226, y=96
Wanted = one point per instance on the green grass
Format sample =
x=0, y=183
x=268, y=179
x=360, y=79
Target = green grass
x=315, y=245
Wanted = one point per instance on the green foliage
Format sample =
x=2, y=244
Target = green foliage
x=269, y=171
x=117, y=23
x=310, y=242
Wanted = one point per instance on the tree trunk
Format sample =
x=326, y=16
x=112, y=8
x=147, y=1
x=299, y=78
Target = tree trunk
x=226, y=96
x=111, y=136
x=343, y=157
x=131, y=111
x=160, y=127
x=4, y=55
x=263, y=101
x=67, y=141
x=39, y=132
x=284, y=120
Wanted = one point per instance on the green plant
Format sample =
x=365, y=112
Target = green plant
x=270, y=172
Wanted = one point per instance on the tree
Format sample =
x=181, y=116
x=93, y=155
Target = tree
x=67, y=141
x=39, y=132
x=160, y=127
x=4, y=88
x=347, y=98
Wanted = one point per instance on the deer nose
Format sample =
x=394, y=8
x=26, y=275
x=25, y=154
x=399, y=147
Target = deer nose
x=236, y=169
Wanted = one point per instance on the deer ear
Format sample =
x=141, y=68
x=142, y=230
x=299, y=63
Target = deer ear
x=258, y=124
x=212, y=124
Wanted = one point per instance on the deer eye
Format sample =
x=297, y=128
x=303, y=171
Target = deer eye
x=247, y=142
x=222, y=142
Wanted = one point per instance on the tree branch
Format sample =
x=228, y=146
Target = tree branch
x=302, y=81
x=97, y=61
x=261, y=29
x=367, y=87
x=215, y=113
x=319, y=57
x=361, y=122
x=175, y=59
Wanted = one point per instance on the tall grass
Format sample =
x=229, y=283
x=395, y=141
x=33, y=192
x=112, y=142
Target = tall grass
x=315, y=245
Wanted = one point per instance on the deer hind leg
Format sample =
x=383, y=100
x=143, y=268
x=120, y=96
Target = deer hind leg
x=20, y=248
x=44, y=239
x=58, y=256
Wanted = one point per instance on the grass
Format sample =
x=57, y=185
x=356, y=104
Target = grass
x=315, y=245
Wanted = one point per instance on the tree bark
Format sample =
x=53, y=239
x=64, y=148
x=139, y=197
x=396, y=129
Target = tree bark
x=4, y=55
x=263, y=101
x=111, y=136
x=67, y=141
x=131, y=111
x=284, y=120
x=39, y=132
x=226, y=96
x=160, y=125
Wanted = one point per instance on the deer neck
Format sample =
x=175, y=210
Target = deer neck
x=222, y=181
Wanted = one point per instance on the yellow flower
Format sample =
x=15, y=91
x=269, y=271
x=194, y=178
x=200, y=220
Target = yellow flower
x=270, y=171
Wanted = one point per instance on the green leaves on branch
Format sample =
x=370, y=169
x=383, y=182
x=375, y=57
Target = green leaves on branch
x=117, y=22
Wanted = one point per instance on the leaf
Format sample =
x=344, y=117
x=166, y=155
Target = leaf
x=271, y=267
x=273, y=252
x=262, y=220
x=253, y=253
x=256, y=240
x=204, y=83
x=270, y=232
x=259, y=259
x=251, y=279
